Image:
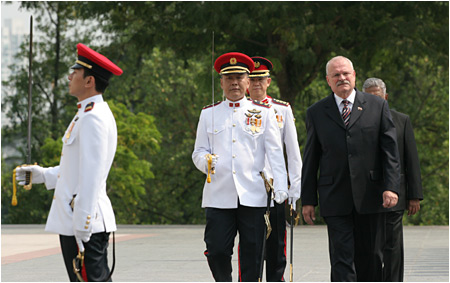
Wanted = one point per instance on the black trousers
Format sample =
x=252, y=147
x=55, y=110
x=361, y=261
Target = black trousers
x=393, y=255
x=356, y=243
x=276, y=245
x=221, y=229
x=95, y=257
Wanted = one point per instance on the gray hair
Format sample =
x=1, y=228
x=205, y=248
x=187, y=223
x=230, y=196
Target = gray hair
x=374, y=82
x=338, y=57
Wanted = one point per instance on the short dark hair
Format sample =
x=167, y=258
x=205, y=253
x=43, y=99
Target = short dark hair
x=100, y=83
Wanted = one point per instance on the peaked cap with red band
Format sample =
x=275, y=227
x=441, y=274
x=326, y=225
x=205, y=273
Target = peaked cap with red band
x=96, y=62
x=234, y=63
x=262, y=67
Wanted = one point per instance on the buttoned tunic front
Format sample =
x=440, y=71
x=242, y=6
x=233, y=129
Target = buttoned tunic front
x=89, y=145
x=241, y=147
x=288, y=132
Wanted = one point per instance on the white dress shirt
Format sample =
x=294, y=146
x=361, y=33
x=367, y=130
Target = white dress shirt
x=351, y=100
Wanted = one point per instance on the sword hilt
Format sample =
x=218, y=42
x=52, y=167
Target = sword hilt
x=209, y=158
x=28, y=182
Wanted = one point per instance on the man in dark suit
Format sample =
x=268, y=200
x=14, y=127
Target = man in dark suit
x=351, y=161
x=410, y=187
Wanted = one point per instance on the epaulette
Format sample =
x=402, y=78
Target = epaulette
x=267, y=105
x=89, y=107
x=280, y=102
x=211, y=105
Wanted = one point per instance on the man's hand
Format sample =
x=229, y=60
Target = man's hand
x=214, y=159
x=82, y=236
x=309, y=214
x=293, y=201
x=281, y=196
x=390, y=199
x=37, y=171
x=413, y=206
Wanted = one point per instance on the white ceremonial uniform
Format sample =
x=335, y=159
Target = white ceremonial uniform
x=241, y=153
x=89, y=145
x=288, y=131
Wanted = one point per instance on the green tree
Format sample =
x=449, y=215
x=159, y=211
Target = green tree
x=53, y=108
x=164, y=49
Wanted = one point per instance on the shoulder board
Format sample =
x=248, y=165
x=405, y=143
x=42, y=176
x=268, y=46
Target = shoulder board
x=267, y=105
x=280, y=102
x=211, y=105
x=89, y=106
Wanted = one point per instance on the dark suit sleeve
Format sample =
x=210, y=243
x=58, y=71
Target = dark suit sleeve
x=388, y=143
x=310, y=167
x=412, y=165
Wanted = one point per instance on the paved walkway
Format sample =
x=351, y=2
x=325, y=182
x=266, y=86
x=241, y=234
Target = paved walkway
x=175, y=254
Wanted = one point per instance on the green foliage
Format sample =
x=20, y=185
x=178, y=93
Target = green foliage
x=138, y=139
x=164, y=49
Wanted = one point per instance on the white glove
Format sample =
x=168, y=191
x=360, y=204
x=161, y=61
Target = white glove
x=293, y=202
x=80, y=245
x=37, y=174
x=82, y=236
x=215, y=158
x=281, y=196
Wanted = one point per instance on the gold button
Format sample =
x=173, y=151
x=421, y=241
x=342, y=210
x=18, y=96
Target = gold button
x=234, y=172
x=88, y=217
x=234, y=155
x=86, y=227
x=54, y=197
x=58, y=175
x=234, y=125
x=234, y=140
x=88, y=222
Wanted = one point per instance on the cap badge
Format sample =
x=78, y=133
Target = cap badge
x=257, y=64
x=233, y=61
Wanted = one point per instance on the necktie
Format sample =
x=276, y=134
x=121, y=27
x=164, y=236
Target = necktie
x=346, y=112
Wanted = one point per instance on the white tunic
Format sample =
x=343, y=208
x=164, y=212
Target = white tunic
x=241, y=153
x=288, y=131
x=89, y=145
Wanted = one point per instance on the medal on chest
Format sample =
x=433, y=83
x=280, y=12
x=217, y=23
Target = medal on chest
x=279, y=119
x=253, y=121
x=69, y=132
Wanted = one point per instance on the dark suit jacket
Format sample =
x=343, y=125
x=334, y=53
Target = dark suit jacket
x=411, y=182
x=353, y=166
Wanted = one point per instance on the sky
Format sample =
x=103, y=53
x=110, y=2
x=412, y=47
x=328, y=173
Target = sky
x=12, y=11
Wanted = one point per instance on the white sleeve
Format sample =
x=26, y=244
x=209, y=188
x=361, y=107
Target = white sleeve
x=93, y=162
x=202, y=146
x=293, y=155
x=51, y=177
x=274, y=153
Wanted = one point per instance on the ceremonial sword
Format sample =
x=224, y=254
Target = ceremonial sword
x=211, y=170
x=28, y=175
x=294, y=222
x=269, y=189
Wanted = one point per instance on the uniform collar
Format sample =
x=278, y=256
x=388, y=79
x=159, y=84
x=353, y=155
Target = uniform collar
x=268, y=99
x=96, y=99
x=236, y=104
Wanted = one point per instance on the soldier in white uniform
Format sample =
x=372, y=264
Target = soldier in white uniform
x=276, y=244
x=81, y=212
x=239, y=133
